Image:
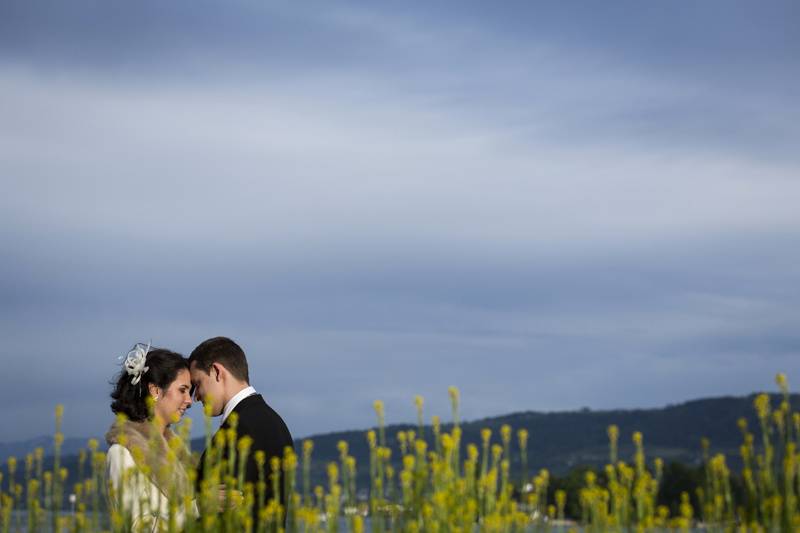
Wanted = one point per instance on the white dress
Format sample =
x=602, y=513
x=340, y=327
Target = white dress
x=148, y=507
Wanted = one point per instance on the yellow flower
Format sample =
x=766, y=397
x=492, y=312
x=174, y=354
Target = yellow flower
x=333, y=472
x=761, y=404
x=384, y=454
x=686, y=508
x=454, y=394
x=561, y=497
x=230, y=435
x=421, y=447
x=447, y=442
x=427, y=511
x=613, y=433
x=777, y=418
x=260, y=458
x=290, y=462
x=378, y=406
x=522, y=436
x=372, y=439
x=472, y=452
x=486, y=435
x=505, y=433
x=342, y=447
x=742, y=423
x=637, y=438
x=782, y=382
x=308, y=447
x=497, y=452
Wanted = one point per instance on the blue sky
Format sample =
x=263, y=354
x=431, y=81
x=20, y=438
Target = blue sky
x=548, y=205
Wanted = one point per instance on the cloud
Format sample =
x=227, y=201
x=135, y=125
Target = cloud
x=381, y=203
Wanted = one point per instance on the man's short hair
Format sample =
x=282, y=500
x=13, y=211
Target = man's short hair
x=224, y=351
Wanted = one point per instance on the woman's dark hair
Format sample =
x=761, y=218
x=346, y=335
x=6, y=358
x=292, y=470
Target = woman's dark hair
x=131, y=400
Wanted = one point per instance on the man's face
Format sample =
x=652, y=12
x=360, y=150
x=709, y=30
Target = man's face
x=207, y=388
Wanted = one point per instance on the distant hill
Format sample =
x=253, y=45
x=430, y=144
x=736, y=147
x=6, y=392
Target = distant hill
x=21, y=448
x=559, y=441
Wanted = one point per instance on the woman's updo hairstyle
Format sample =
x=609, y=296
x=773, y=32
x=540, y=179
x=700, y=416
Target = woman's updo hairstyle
x=162, y=369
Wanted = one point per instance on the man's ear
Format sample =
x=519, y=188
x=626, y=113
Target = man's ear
x=216, y=371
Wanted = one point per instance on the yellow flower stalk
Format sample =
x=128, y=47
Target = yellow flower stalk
x=419, y=403
x=762, y=406
x=505, y=437
x=432, y=491
x=436, y=425
x=522, y=438
x=455, y=396
x=782, y=382
x=402, y=441
x=613, y=438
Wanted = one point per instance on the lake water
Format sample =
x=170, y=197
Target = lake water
x=23, y=518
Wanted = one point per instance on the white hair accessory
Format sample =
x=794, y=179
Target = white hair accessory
x=135, y=362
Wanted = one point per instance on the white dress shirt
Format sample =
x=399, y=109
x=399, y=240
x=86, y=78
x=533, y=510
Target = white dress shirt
x=233, y=402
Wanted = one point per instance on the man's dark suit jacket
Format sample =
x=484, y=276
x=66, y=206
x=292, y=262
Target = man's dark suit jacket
x=269, y=433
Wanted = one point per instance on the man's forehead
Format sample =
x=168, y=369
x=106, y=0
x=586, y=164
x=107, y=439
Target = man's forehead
x=196, y=372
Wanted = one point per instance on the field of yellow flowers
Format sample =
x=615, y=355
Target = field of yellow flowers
x=443, y=486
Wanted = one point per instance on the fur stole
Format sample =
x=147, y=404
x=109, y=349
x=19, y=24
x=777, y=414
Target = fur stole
x=166, y=465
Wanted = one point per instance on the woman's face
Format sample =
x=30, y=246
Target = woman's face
x=176, y=399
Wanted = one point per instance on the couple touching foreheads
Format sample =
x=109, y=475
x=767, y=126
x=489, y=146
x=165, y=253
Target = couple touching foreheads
x=147, y=463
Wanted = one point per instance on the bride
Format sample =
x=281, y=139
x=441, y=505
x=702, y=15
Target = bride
x=147, y=463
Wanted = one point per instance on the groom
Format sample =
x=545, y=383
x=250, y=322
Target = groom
x=220, y=376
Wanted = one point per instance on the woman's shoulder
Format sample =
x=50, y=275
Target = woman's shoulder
x=118, y=453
